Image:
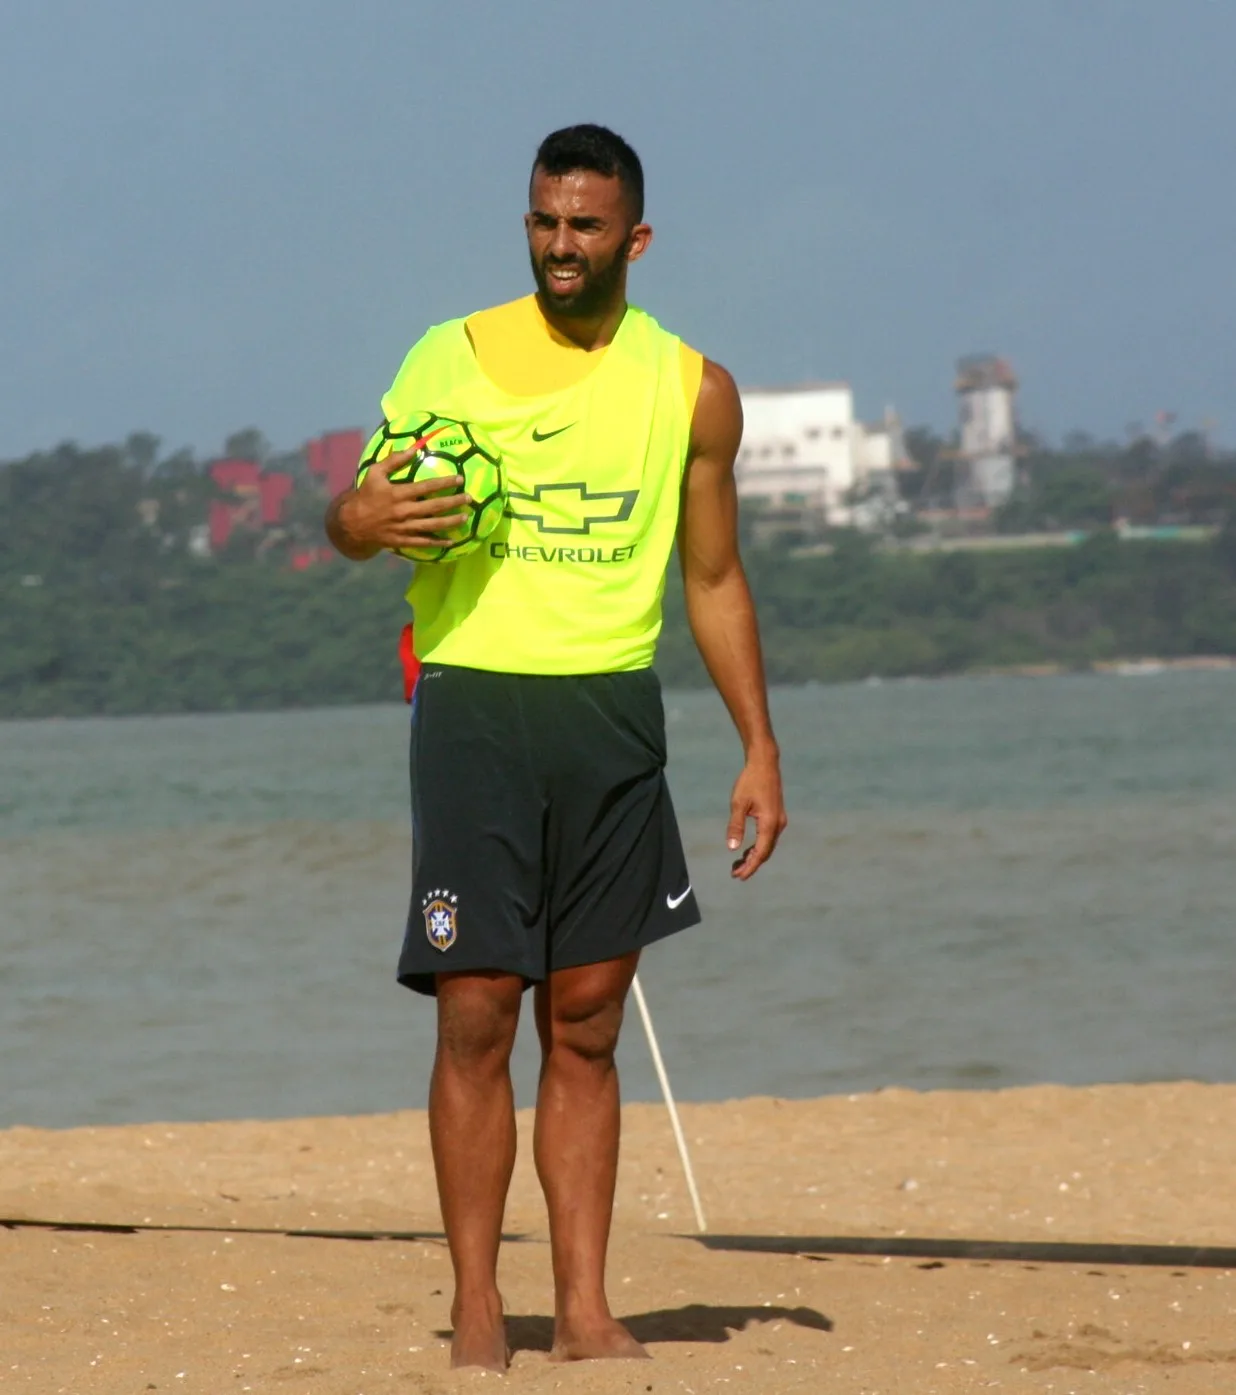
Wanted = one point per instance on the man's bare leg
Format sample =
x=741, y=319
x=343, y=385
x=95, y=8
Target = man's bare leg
x=472, y=1129
x=579, y=1012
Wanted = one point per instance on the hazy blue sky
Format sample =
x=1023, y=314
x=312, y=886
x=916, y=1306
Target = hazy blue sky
x=219, y=213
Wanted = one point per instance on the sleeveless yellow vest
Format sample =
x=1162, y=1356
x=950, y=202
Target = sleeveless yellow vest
x=572, y=580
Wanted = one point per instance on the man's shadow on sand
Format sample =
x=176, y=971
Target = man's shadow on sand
x=695, y=1322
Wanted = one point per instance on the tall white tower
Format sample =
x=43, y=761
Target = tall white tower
x=986, y=400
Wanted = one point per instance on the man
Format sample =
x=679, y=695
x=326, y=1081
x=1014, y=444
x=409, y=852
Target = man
x=545, y=849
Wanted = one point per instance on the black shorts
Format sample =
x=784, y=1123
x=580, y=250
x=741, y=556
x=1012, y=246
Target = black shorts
x=543, y=836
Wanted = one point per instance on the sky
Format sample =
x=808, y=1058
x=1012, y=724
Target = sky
x=217, y=214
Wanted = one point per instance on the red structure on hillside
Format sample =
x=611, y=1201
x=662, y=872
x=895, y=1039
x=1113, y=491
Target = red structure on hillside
x=242, y=479
x=255, y=500
x=274, y=490
x=333, y=458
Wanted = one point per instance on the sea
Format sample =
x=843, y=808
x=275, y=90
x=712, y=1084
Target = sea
x=985, y=882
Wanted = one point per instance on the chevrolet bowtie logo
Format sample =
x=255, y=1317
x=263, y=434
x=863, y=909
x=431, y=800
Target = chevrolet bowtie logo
x=563, y=501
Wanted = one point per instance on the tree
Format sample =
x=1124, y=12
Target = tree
x=248, y=444
x=141, y=451
x=1058, y=496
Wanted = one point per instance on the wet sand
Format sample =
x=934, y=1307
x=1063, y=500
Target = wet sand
x=209, y=1292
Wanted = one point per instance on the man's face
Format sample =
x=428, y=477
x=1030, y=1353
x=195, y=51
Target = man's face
x=580, y=239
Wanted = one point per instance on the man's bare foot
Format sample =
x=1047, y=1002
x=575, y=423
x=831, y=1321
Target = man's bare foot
x=604, y=1339
x=479, y=1338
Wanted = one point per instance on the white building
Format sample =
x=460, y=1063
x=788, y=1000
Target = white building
x=803, y=452
x=986, y=402
x=879, y=453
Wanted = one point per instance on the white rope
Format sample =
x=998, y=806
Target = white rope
x=663, y=1077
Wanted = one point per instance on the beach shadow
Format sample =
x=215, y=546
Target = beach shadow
x=938, y=1250
x=188, y=1228
x=694, y=1322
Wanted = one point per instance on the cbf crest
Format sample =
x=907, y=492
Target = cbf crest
x=441, y=910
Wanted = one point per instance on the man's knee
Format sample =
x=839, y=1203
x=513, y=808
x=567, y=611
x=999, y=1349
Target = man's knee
x=477, y=1017
x=582, y=1011
x=586, y=1028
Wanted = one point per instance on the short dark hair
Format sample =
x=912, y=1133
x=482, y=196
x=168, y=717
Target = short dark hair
x=597, y=148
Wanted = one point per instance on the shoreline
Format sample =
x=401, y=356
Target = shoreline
x=1133, y=666
x=1123, y=668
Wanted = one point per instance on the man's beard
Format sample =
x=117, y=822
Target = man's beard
x=595, y=291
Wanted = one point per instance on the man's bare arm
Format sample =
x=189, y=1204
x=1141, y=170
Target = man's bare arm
x=361, y=522
x=722, y=614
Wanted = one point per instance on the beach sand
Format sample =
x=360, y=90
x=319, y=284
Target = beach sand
x=180, y=1305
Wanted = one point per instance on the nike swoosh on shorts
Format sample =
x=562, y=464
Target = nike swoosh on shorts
x=673, y=902
x=538, y=435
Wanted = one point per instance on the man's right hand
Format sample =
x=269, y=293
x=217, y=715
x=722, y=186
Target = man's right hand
x=379, y=514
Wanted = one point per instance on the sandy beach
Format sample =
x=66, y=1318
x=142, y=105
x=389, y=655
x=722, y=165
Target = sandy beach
x=205, y=1286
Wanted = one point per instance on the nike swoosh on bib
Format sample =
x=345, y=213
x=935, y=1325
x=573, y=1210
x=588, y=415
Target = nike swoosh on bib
x=545, y=435
x=673, y=902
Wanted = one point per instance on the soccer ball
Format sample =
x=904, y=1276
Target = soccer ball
x=444, y=447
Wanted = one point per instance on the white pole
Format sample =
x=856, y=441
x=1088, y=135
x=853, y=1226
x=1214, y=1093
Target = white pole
x=663, y=1077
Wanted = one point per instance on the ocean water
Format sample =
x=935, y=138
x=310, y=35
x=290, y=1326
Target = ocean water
x=985, y=882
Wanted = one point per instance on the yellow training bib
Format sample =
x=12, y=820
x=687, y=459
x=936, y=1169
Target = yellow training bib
x=572, y=580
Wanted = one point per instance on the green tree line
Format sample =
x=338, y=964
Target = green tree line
x=104, y=608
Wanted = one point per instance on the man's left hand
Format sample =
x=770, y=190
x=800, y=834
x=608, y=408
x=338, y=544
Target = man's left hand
x=757, y=795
